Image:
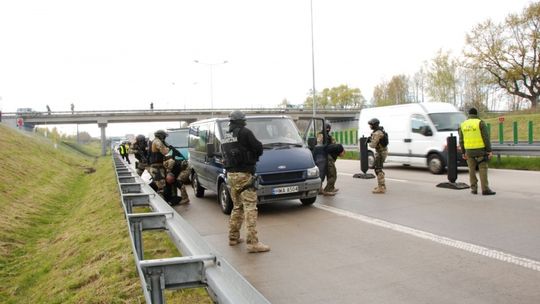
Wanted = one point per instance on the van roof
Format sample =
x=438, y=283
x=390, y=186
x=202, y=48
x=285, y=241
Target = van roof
x=247, y=118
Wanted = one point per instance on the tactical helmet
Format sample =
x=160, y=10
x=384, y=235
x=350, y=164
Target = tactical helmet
x=160, y=134
x=140, y=138
x=237, y=115
x=328, y=126
x=374, y=122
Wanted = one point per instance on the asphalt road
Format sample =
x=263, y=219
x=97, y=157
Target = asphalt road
x=416, y=244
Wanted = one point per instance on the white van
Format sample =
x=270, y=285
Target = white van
x=417, y=132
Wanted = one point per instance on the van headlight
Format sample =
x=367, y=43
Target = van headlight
x=313, y=172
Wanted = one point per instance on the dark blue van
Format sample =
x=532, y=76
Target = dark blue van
x=285, y=171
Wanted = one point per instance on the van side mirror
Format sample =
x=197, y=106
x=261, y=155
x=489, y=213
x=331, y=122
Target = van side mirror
x=210, y=150
x=311, y=142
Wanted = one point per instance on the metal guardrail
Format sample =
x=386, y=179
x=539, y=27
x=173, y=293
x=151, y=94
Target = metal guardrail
x=517, y=150
x=200, y=265
x=498, y=149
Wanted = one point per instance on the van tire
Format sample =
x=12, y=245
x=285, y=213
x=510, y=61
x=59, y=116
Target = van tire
x=224, y=199
x=197, y=188
x=435, y=163
x=308, y=201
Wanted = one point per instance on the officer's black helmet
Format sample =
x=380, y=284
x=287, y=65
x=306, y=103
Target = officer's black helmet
x=328, y=126
x=374, y=122
x=160, y=134
x=140, y=138
x=237, y=115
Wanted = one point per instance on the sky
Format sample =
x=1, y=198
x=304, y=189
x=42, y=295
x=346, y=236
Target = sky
x=123, y=55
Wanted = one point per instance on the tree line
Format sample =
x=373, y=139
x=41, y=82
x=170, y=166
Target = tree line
x=500, y=64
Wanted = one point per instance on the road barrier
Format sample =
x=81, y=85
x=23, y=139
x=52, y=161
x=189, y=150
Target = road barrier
x=200, y=265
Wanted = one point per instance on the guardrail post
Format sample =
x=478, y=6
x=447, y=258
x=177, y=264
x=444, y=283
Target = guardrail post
x=157, y=286
x=136, y=230
x=530, y=132
x=515, y=129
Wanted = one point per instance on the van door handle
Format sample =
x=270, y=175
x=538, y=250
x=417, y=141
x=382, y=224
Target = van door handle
x=407, y=140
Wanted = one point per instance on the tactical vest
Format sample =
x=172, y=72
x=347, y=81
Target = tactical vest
x=472, y=137
x=155, y=157
x=234, y=154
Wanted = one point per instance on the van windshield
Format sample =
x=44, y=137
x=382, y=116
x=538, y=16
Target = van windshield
x=447, y=121
x=271, y=131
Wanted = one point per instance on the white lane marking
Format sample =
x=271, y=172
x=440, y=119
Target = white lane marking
x=392, y=179
x=490, y=253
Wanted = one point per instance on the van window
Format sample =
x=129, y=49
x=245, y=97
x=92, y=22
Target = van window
x=447, y=121
x=198, y=137
x=418, y=123
x=271, y=130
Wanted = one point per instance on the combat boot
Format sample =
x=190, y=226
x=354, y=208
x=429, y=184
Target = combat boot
x=379, y=190
x=184, y=201
x=258, y=247
x=235, y=242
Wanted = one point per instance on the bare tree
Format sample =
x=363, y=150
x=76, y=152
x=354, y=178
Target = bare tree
x=509, y=52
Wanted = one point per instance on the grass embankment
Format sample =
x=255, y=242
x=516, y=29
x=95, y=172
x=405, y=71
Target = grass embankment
x=64, y=238
x=522, y=119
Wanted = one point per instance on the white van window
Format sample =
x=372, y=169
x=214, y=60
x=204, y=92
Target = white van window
x=418, y=124
x=447, y=121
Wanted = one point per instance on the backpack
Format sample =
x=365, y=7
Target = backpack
x=384, y=140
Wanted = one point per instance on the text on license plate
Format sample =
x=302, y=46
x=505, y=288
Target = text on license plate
x=282, y=190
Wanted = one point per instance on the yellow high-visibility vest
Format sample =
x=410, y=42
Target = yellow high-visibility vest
x=472, y=137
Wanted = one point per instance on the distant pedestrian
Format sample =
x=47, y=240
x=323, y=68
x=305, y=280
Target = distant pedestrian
x=48, y=110
x=378, y=141
x=152, y=106
x=476, y=147
x=72, y=108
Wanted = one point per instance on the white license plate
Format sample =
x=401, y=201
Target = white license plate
x=282, y=190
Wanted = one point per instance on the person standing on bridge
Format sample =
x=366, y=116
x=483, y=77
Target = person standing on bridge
x=72, y=108
x=48, y=110
x=476, y=148
x=241, y=151
x=378, y=141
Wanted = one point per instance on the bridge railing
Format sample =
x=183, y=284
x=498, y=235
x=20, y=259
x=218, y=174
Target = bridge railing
x=199, y=266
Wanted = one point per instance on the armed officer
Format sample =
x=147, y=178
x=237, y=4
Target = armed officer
x=381, y=152
x=158, y=152
x=140, y=151
x=241, y=151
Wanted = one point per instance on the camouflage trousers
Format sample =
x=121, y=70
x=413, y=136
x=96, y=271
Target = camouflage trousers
x=481, y=162
x=244, y=207
x=157, y=171
x=380, y=157
x=331, y=174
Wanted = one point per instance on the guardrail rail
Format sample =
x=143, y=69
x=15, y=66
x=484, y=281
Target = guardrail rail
x=200, y=265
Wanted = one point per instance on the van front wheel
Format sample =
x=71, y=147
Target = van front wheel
x=197, y=188
x=435, y=164
x=224, y=199
x=308, y=201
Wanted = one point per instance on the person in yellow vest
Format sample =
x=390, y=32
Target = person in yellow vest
x=476, y=149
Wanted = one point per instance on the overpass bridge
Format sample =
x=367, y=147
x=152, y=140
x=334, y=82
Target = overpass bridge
x=105, y=117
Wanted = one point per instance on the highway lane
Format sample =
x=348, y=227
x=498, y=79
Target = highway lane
x=337, y=251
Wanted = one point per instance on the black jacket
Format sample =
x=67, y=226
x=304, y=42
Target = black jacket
x=247, y=140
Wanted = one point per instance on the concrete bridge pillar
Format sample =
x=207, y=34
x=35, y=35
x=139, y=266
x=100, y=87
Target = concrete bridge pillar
x=102, y=124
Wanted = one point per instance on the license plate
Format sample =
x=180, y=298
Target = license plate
x=282, y=190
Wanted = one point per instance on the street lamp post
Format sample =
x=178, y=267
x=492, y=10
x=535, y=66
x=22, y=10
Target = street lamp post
x=313, y=61
x=211, y=66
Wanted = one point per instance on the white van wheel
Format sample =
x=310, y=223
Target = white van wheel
x=435, y=164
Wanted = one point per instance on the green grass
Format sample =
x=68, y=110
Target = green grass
x=64, y=238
